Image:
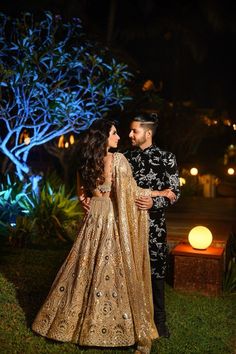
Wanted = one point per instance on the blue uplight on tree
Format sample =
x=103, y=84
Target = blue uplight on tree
x=52, y=82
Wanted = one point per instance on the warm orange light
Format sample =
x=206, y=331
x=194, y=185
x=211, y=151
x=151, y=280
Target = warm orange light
x=27, y=140
x=24, y=137
x=61, y=142
x=148, y=85
x=65, y=144
x=227, y=122
x=72, y=139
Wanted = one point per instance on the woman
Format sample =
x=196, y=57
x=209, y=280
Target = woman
x=102, y=293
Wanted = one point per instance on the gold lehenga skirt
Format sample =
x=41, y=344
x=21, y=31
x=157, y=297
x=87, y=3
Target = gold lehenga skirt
x=88, y=302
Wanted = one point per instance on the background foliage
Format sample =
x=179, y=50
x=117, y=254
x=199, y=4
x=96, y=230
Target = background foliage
x=52, y=81
x=53, y=215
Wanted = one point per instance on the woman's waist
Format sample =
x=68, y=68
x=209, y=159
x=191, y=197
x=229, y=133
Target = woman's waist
x=98, y=194
x=100, y=198
x=101, y=205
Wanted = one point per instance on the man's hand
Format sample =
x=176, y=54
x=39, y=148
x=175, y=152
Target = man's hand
x=144, y=203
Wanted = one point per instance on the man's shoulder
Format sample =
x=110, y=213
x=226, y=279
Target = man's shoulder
x=125, y=152
x=152, y=151
x=129, y=153
x=163, y=153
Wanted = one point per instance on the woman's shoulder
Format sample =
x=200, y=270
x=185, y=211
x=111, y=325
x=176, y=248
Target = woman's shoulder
x=120, y=161
x=118, y=156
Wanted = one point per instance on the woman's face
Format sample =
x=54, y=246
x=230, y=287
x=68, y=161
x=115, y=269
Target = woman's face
x=113, y=138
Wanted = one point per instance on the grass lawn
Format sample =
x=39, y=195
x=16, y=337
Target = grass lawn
x=198, y=324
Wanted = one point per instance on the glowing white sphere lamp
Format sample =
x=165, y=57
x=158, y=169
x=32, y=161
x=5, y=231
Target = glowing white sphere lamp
x=231, y=171
x=200, y=237
x=194, y=171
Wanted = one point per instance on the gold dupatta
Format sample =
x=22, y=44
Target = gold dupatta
x=133, y=225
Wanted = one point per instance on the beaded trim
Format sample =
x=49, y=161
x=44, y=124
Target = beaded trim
x=104, y=188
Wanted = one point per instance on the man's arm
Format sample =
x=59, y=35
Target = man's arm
x=171, y=179
x=168, y=195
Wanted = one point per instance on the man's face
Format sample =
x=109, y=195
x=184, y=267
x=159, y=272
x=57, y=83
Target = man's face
x=138, y=135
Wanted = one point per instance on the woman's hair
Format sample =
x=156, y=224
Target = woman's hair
x=92, y=149
x=147, y=121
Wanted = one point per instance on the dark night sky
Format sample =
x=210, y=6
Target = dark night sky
x=188, y=45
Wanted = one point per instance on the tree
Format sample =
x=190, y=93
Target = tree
x=52, y=81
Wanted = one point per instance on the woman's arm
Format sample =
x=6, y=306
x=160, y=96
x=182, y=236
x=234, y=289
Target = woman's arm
x=84, y=199
x=146, y=203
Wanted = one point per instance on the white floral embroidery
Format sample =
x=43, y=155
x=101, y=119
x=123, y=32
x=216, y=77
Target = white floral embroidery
x=156, y=169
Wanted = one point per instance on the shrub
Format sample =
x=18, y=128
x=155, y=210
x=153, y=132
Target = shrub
x=27, y=218
x=229, y=283
x=14, y=201
x=53, y=213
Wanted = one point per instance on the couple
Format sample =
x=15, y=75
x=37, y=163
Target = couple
x=102, y=295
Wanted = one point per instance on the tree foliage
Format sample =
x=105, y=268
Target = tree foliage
x=52, y=81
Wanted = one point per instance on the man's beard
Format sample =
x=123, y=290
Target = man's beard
x=139, y=141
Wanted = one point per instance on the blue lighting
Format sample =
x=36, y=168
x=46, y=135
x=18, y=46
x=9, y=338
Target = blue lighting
x=52, y=81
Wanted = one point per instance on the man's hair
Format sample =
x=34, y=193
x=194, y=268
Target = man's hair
x=147, y=121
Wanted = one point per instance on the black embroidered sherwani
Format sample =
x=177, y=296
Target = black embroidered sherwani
x=157, y=170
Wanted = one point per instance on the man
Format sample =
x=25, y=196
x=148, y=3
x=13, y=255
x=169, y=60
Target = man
x=154, y=169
